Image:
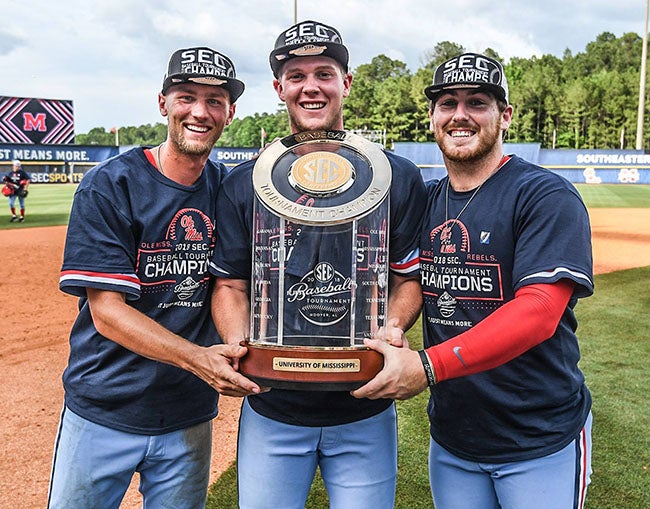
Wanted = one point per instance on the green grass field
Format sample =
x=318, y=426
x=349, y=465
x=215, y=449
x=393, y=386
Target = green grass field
x=615, y=195
x=613, y=336
x=613, y=326
x=46, y=205
x=49, y=204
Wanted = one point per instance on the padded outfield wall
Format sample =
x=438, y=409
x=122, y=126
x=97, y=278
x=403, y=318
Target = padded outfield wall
x=577, y=166
x=63, y=164
x=56, y=164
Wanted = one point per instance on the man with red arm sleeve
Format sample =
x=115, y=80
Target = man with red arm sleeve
x=505, y=252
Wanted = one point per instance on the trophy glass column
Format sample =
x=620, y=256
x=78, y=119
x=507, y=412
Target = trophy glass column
x=320, y=261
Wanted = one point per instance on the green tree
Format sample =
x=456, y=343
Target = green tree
x=442, y=51
x=96, y=136
x=586, y=100
x=380, y=99
x=248, y=131
x=419, y=81
x=532, y=91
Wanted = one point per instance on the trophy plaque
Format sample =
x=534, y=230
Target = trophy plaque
x=320, y=261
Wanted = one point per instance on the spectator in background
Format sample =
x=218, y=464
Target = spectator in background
x=17, y=181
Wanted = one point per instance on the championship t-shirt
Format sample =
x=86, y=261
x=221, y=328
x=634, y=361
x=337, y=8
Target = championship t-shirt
x=525, y=225
x=232, y=259
x=134, y=231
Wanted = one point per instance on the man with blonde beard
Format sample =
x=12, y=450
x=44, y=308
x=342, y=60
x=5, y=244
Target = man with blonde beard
x=145, y=358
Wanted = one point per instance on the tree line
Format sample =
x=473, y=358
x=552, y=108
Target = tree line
x=583, y=101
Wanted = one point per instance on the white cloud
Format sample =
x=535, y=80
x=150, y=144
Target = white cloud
x=109, y=56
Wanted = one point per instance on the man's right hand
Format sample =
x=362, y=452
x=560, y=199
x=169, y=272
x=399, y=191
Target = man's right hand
x=219, y=369
x=402, y=376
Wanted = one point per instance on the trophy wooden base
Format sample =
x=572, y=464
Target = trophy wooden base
x=310, y=369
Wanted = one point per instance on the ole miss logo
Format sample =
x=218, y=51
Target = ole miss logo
x=36, y=121
x=33, y=122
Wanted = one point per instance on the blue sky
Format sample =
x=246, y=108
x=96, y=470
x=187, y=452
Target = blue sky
x=109, y=56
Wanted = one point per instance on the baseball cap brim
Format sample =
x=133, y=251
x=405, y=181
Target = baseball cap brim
x=433, y=92
x=234, y=86
x=280, y=56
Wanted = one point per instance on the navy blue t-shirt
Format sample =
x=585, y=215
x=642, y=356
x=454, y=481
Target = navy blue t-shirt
x=525, y=226
x=232, y=259
x=136, y=232
x=16, y=177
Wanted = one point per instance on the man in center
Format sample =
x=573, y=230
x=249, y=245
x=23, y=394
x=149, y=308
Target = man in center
x=284, y=435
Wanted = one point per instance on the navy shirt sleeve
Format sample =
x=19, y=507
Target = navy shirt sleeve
x=408, y=200
x=553, y=236
x=232, y=253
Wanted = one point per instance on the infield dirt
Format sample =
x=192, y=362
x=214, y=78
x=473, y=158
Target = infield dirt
x=34, y=346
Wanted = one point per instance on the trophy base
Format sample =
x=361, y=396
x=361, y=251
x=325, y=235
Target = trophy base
x=310, y=369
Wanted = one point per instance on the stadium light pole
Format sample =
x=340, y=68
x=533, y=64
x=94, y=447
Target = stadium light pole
x=116, y=131
x=644, y=57
x=295, y=11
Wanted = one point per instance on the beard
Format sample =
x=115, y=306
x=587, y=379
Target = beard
x=192, y=148
x=485, y=141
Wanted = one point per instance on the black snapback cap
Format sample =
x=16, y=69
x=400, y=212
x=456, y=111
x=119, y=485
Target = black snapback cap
x=204, y=66
x=305, y=39
x=469, y=70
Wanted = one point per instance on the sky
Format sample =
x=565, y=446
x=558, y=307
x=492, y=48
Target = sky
x=110, y=56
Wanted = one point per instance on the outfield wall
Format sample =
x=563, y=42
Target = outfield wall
x=578, y=166
x=53, y=164
x=63, y=164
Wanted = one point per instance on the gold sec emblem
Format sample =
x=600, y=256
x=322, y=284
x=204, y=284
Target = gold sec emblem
x=321, y=173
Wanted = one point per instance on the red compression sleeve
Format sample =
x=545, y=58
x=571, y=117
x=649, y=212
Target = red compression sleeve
x=516, y=327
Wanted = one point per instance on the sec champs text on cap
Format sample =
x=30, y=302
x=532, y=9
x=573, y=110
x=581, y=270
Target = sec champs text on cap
x=305, y=39
x=469, y=70
x=204, y=66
